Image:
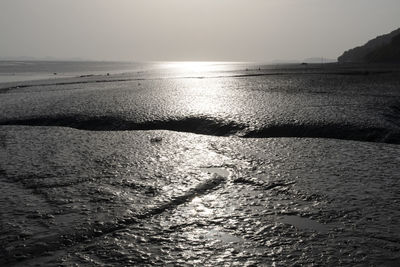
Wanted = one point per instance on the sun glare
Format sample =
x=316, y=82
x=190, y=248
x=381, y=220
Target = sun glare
x=195, y=67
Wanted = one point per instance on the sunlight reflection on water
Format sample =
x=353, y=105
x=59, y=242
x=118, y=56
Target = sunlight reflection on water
x=197, y=67
x=211, y=97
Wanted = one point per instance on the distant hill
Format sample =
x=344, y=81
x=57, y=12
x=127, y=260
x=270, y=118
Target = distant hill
x=384, y=48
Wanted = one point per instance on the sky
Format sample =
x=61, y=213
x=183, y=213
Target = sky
x=191, y=30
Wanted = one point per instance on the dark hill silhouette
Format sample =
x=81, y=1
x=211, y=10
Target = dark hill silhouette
x=384, y=48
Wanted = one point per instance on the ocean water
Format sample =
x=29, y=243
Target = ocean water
x=16, y=71
x=202, y=164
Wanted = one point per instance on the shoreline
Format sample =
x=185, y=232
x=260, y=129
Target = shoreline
x=253, y=69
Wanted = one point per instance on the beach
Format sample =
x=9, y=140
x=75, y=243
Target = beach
x=224, y=164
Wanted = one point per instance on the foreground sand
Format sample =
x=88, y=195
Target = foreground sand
x=158, y=197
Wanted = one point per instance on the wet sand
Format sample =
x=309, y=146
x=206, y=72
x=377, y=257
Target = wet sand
x=234, y=169
x=192, y=199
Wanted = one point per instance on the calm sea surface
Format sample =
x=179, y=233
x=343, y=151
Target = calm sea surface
x=13, y=71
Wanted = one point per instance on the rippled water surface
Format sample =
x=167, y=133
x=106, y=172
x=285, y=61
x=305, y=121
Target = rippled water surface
x=202, y=166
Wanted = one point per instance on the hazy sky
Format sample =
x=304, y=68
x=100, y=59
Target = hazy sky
x=233, y=30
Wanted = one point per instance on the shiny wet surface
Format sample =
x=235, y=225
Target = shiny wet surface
x=188, y=199
x=247, y=103
x=251, y=167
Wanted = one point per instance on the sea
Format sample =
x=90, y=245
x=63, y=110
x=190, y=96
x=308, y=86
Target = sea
x=199, y=164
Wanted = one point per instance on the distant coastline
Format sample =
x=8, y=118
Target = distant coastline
x=382, y=49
